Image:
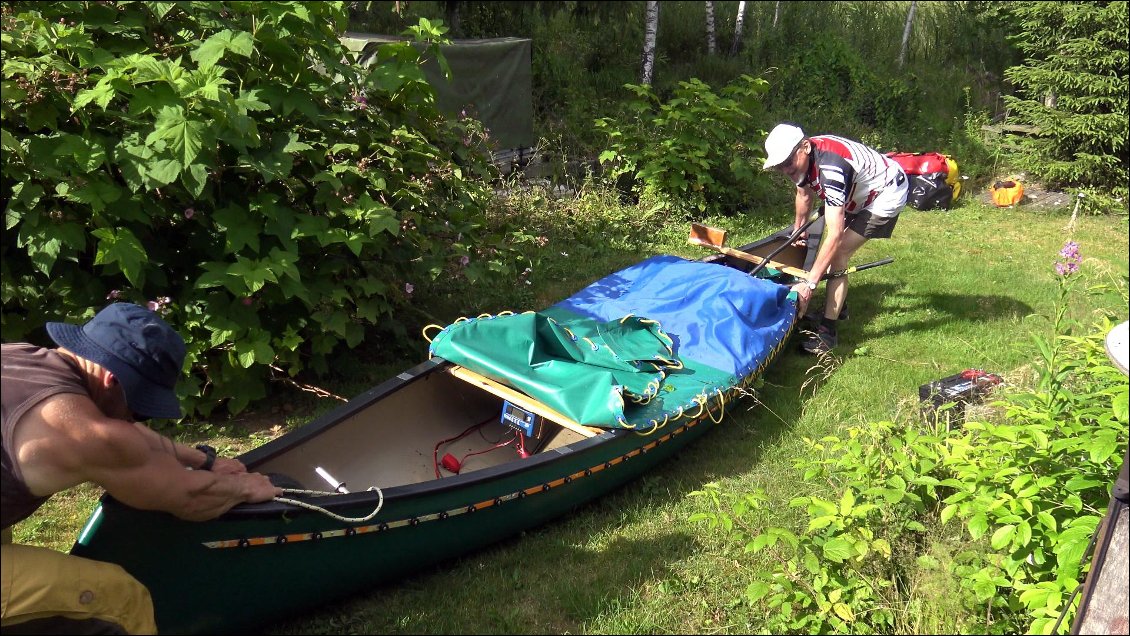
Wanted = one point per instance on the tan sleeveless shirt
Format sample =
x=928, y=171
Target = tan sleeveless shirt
x=29, y=375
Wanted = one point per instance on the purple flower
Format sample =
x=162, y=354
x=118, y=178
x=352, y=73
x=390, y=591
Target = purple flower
x=464, y=260
x=188, y=212
x=160, y=305
x=409, y=288
x=1070, y=251
x=114, y=294
x=1070, y=258
x=1066, y=269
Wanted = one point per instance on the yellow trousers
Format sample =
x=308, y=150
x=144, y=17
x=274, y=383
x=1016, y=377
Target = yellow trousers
x=42, y=587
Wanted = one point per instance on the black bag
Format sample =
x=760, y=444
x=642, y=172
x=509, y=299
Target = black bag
x=930, y=192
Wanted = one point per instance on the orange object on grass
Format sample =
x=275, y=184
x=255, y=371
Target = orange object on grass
x=1006, y=193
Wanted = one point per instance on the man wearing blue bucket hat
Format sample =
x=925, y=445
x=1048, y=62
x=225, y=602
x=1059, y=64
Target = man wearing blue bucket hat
x=71, y=416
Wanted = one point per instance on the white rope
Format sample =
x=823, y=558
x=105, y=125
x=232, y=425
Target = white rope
x=303, y=504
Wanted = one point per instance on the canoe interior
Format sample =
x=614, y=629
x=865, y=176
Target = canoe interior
x=800, y=257
x=391, y=442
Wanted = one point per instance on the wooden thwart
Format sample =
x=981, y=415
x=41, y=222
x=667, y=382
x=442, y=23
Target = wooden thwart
x=715, y=239
x=522, y=400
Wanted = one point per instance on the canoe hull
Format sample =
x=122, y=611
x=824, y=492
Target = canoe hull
x=263, y=563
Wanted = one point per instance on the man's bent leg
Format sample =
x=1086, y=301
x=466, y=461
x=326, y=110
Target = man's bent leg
x=837, y=287
x=44, y=591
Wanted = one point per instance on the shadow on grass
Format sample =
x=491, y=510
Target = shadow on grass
x=870, y=300
x=544, y=582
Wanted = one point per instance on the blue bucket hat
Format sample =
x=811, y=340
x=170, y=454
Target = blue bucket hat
x=143, y=352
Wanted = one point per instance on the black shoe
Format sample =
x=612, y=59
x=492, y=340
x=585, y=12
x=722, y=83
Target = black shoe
x=822, y=341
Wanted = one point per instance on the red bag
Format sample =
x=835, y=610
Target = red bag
x=921, y=162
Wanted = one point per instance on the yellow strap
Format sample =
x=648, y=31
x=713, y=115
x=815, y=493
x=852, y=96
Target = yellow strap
x=424, y=331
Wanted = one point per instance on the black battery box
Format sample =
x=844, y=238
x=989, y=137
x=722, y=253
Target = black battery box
x=968, y=387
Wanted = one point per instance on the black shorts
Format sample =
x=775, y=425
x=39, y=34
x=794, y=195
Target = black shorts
x=871, y=226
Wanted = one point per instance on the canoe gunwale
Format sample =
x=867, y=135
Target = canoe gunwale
x=391, y=494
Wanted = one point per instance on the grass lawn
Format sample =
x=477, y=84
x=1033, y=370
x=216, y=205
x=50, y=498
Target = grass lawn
x=967, y=289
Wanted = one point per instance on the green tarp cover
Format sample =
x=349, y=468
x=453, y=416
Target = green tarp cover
x=635, y=349
x=490, y=81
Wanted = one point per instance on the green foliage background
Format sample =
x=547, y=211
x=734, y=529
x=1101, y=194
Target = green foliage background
x=833, y=67
x=222, y=163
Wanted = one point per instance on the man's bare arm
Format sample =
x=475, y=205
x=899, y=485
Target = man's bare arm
x=803, y=206
x=186, y=455
x=67, y=440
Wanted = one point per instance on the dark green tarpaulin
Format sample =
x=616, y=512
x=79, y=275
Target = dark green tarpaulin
x=490, y=81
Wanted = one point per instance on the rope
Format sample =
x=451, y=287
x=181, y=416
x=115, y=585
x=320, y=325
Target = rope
x=655, y=425
x=721, y=410
x=332, y=515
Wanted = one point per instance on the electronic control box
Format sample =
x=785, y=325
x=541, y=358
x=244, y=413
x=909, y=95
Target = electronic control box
x=530, y=424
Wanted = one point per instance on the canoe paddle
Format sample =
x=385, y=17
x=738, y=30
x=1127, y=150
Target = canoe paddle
x=858, y=268
x=789, y=241
x=696, y=238
x=715, y=239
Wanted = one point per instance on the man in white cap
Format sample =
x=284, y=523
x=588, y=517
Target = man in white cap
x=863, y=192
x=70, y=416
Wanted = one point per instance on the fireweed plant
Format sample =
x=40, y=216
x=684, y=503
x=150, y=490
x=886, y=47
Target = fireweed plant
x=1000, y=510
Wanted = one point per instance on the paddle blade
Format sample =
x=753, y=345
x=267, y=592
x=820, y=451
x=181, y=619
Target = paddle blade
x=706, y=235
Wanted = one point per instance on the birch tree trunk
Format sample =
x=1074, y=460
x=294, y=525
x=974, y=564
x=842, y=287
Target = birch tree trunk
x=776, y=13
x=906, y=32
x=710, y=45
x=650, y=30
x=736, y=45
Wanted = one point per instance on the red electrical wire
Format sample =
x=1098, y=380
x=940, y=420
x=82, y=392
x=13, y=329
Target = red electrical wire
x=487, y=450
x=435, y=449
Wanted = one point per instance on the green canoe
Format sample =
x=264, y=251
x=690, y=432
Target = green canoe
x=448, y=457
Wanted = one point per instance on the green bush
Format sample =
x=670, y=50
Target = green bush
x=1028, y=488
x=696, y=151
x=223, y=163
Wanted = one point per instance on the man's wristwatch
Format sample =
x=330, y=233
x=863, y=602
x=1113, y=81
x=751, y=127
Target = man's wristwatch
x=209, y=456
x=811, y=285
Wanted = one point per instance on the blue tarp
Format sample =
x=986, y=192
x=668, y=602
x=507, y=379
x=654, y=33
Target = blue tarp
x=696, y=329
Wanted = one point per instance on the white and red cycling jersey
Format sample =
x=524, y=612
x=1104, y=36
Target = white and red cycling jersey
x=846, y=173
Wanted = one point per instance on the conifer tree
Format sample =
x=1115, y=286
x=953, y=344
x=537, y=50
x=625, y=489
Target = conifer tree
x=1073, y=87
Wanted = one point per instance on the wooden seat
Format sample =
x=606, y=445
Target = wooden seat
x=522, y=400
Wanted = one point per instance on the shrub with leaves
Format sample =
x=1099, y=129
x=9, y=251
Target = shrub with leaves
x=225, y=163
x=697, y=150
x=1028, y=488
x=842, y=574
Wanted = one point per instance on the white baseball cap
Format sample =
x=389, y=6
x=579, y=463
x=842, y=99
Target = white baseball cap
x=780, y=143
